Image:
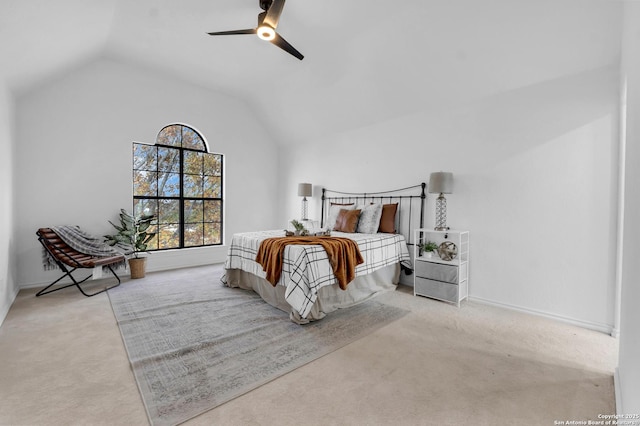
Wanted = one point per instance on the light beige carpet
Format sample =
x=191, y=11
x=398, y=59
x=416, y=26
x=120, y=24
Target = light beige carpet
x=63, y=363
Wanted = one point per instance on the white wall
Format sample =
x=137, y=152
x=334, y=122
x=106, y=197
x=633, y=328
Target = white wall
x=629, y=351
x=534, y=167
x=73, y=159
x=8, y=284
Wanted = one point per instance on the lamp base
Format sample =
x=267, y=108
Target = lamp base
x=304, y=209
x=441, y=214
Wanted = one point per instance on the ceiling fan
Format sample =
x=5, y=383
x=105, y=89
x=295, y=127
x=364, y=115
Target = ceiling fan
x=267, y=24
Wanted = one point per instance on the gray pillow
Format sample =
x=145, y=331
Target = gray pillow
x=370, y=215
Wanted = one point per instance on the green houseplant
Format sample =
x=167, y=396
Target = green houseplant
x=299, y=228
x=133, y=236
x=429, y=248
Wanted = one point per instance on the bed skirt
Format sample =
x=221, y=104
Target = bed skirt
x=329, y=299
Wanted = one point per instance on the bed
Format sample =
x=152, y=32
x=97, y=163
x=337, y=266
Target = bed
x=307, y=287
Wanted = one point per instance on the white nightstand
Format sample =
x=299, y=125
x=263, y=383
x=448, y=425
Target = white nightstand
x=437, y=278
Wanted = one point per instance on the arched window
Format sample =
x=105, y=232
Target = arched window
x=179, y=181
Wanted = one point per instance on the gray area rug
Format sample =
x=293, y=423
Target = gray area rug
x=194, y=344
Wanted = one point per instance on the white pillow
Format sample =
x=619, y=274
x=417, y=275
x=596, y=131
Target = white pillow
x=370, y=215
x=334, y=210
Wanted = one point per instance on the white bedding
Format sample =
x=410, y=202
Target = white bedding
x=330, y=298
x=306, y=268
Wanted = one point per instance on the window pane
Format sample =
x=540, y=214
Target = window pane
x=145, y=206
x=190, y=139
x=144, y=157
x=212, y=187
x=212, y=234
x=212, y=211
x=145, y=183
x=193, y=234
x=168, y=184
x=170, y=135
x=193, y=211
x=169, y=159
x=169, y=211
x=153, y=243
x=193, y=162
x=169, y=236
x=212, y=165
x=192, y=186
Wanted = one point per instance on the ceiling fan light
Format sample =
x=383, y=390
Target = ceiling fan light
x=265, y=32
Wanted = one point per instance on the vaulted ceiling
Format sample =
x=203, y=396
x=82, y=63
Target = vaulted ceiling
x=365, y=60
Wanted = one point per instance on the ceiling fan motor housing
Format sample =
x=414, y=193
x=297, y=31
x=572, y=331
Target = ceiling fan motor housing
x=264, y=4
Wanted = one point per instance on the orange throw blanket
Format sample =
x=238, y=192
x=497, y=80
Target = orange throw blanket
x=344, y=255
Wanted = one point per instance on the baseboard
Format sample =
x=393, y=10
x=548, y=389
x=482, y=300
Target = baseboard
x=6, y=307
x=617, y=389
x=106, y=277
x=161, y=261
x=603, y=328
x=185, y=258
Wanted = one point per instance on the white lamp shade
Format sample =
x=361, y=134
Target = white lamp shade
x=304, y=190
x=441, y=183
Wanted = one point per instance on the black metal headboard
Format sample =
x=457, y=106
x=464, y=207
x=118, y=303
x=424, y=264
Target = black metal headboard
x=411, y=205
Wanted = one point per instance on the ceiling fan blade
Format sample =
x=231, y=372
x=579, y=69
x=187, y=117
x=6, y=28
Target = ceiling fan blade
x=234, y=32
x=273, y=14
x=284, y=45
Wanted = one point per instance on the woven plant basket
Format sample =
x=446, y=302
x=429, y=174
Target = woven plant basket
x=138, y=267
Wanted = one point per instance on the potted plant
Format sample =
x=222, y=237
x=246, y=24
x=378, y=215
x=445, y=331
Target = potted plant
x=133, y=237
x=299, y=228
x=429, y=248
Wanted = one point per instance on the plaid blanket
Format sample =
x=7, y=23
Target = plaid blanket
x=343, y=254
x=306, y=268
x=84, y=243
